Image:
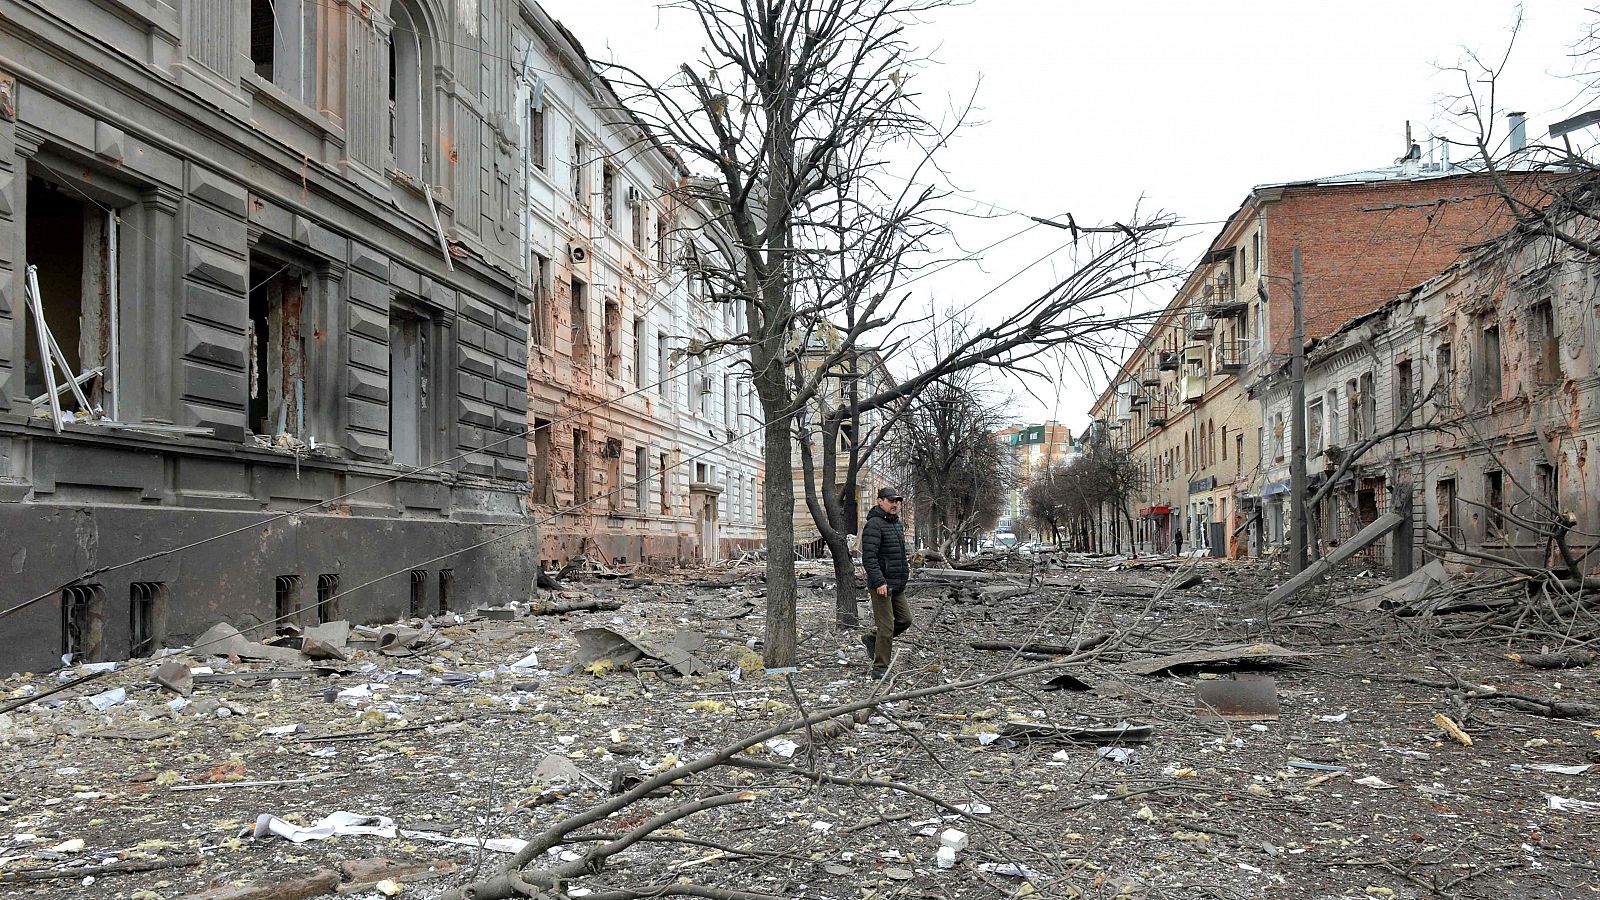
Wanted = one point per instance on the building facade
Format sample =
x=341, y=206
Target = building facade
x=1032, y=450
x=1186, y=403
x=277, y=243
x=640, y=449
x=1479, y=393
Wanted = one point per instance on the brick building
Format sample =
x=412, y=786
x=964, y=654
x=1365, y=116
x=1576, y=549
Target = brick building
x=1033, y=450
x=1187, y=403
x=1496, y=358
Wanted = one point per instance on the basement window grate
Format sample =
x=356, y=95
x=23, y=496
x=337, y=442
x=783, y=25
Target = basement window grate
x=286, y=606
x=83, y=623
x=419, y=593
x=327, y=598
x=147, y=615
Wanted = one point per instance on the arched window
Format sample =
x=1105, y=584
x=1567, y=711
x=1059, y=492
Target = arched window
x=410, y=93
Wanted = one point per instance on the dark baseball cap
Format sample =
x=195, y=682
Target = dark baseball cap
x=889, y=493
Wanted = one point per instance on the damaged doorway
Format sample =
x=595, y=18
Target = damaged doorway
x=73, y=245
x=277, y=347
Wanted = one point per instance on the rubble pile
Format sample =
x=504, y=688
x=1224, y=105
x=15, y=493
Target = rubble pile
x=1161, y=745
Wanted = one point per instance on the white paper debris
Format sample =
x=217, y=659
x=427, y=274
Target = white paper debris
x=783, y=747
x=1555, y=769
x=1334, y=719
x=1564, y=804
x=1373, y=781
x=107, y=699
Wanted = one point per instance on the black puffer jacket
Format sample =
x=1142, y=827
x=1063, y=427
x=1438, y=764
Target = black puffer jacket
x=883, y=551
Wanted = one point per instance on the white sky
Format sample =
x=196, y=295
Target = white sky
x=1177, y=106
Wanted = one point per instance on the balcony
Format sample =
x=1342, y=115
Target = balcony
x=1168, y=361
x=1200, y=326
x=1157, y=414
x=1191, y=388
x=1150, y=376
x=1220, y=298
x=1232, y=355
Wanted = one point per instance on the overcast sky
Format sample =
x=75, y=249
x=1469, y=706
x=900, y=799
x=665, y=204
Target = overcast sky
x=1094, y=108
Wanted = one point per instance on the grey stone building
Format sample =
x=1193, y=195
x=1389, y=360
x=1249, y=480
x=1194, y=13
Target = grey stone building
x=278, y=244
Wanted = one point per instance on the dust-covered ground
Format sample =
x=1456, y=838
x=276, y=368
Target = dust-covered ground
x=1354, y=790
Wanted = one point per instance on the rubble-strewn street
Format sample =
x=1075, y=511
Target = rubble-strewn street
x=494, y=727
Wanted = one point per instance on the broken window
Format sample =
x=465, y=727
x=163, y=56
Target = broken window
x=1494, y=497
x=580, y=158
x=1369, y=406
x=1279, y=435
x=83, y=623
x=580, y=466
x=641, y=477
x=1543, y=345
x=147, y=617
x=410, y=68
x=580, y=322
x=286, y=601
x=1489, y=366
x=1445, y=499
x=638, y=351
x=447, y=578
x=1352, y=399
x=536, y=135
x=1314, y=426
x=72, y=246
x=541, y=487
x=1238, y=454
x=636, y=210
x=663, y=363
x=613, y=338
x=663, y=474
x=1403, y=394
x=1445, y=367
x=608, y=194
x=661, y=241
x=613, y=456
x=1544, y=481
x=277, y=363
x=284, y=46
x=327, y=598
x=544, y=331
x=408, y=387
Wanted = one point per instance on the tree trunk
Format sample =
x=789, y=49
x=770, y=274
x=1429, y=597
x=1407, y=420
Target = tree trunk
x=778, y=488
x=827, y=515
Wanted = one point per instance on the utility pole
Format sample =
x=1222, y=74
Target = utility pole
x=1297, y=424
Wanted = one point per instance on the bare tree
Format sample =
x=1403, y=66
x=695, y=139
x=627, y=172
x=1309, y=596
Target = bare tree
x=795, y=107
x=947, y=447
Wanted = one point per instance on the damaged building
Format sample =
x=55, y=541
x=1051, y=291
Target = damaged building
x=1476, y=396
x=255, y=255
x=644, y=446
x=1188, y=403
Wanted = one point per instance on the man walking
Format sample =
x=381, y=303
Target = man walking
x=883, y=555
x=1177, y=538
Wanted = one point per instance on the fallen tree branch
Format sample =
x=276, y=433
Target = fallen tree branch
x=1088, y=643
x=562, y=607
x=116, y=868
x=509, y=883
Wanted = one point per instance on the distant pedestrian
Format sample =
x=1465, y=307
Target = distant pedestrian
x=1177, y=540
x=883, y=556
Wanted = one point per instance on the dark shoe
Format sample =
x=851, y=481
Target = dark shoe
x=878, y=674
x=870, y=643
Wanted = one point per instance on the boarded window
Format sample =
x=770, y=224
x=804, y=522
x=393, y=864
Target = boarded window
x=613, y=338
x=1404, y=395
x=608, y=194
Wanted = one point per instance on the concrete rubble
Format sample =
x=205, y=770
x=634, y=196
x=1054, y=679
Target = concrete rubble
x=263, y=773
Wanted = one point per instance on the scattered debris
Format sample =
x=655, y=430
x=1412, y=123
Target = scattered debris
x=1230, y=655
